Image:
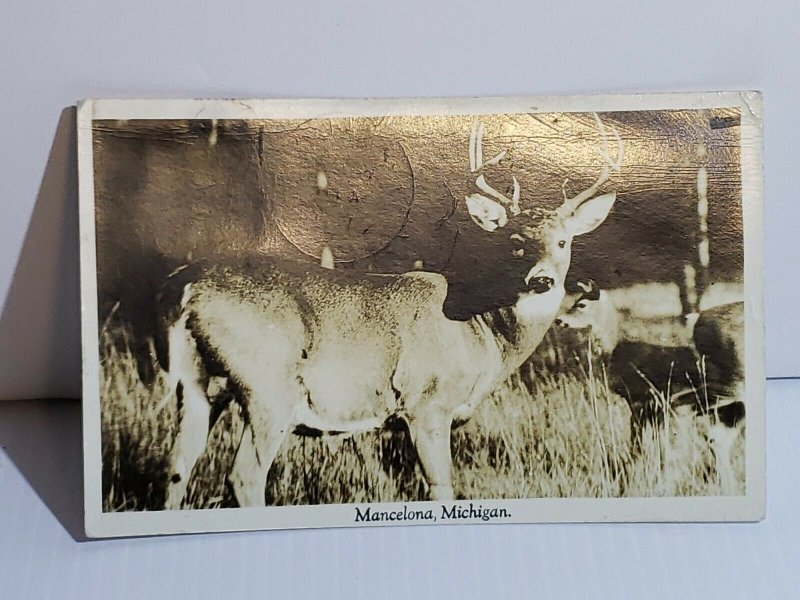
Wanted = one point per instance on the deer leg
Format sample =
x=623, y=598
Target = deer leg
x=269, y=423
x=722, y=438
x=432, y=441
x=187, y=370
x=636, y=431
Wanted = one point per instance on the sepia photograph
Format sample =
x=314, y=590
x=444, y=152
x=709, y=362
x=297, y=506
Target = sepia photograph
x=305, y=313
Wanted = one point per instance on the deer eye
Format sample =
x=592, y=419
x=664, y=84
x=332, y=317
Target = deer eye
x=580, y=305
x=562, y=243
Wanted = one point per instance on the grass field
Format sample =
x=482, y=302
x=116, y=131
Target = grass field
x=568, y=436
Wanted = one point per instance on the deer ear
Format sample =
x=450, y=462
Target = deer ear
x=590, y=214
x=487, y=213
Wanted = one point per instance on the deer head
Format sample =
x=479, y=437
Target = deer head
x=542, y=240
x=591, y=309
x=582, y=306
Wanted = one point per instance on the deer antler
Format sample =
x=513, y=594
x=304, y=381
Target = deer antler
x=476, y=148
x=610, y=164
x=513, y=201
x=485, y=211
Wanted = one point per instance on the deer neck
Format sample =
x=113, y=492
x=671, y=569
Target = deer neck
x=608, y=330
x=519, y=329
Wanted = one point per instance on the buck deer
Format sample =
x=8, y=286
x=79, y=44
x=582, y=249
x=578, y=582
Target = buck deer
x=706, y=376
x=319, y=351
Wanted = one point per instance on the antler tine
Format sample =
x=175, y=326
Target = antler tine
x=616, y=163
x=609, y=164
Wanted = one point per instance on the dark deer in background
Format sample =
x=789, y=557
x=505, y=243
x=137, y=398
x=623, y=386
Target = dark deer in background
x=707, y=376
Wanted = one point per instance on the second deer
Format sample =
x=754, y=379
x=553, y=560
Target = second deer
x=706, y=374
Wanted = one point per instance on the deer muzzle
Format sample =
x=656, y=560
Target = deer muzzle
x=538, y=280
x=540, y=285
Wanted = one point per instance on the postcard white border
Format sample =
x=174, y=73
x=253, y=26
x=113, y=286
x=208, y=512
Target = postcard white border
x=749, y=507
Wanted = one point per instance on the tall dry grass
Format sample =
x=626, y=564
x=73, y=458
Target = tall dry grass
x=548, y=433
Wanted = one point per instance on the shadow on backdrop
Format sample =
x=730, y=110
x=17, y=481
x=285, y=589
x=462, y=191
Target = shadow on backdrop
x=43, y=440
x=40, y=353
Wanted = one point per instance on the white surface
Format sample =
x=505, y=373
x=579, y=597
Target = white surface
x=39, y=559
x=56, y=53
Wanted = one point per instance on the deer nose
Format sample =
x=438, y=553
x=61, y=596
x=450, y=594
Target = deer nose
x=540, y=285
x=559, y=323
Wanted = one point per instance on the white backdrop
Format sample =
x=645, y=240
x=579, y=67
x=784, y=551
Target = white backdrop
x=56, y=53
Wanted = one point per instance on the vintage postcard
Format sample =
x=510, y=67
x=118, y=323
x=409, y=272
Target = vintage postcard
x=346, y=313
